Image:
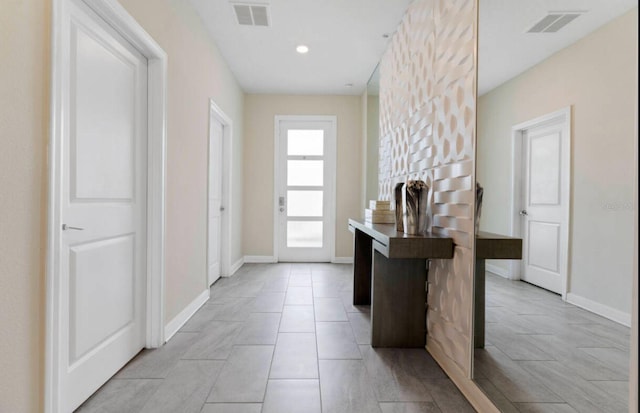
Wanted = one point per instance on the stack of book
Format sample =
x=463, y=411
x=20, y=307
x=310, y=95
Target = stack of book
x=379, y=212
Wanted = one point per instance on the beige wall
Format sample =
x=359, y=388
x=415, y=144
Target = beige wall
x=597, y=77
x=259, y=114
x=196, y=72
x=24, y=121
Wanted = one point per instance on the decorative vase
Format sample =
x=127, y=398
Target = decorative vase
x=479, y=193
x=415, y=218
x=397, y=194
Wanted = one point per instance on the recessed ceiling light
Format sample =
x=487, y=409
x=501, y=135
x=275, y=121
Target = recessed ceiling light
x=302, y=49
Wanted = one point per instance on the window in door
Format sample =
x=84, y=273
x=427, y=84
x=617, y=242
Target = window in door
x=305, y=190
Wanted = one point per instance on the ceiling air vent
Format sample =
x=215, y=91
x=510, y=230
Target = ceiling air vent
x=252, y=14
x=554, y=21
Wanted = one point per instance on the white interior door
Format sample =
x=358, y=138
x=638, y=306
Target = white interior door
x=545, y=204
x=216, y=133
x=102, y=255
x=305, y=196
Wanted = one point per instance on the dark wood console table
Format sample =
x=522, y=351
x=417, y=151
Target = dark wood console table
x=493, y=247
x=390, y=273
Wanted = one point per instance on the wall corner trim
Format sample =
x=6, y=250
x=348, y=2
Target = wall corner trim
x=116, y=16
x=259, y=259
x=600, y=309
x=235, y=267
x=172, y=327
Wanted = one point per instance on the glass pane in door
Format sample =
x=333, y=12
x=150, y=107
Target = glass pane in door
x=305, y=142
x=304, y=203
x=304, y=234
x=306, y=157
x=305, y=173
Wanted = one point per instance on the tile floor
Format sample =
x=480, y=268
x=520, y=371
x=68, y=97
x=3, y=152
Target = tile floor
x=279, y=338
x=545, y=355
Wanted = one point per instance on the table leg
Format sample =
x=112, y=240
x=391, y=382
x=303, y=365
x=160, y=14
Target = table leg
x=398, y=310
x=362, y=269
x=479, y=307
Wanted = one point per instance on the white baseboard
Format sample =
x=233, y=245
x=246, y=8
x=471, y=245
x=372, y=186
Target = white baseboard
x=236, y=266
x=268, y=259
x=178, y=321
x=259, y=259
x=600, y=309
x=494, y=269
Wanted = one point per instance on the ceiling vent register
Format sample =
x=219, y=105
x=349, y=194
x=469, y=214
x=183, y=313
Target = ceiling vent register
x=554, y=21
x=252, y=14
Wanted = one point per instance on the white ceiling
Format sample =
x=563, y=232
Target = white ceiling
x=505, y=49
x=346, y=40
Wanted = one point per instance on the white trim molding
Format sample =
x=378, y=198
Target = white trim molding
x=342, y=260
x=259, y=259
x=235, y=267
x=117, y=17
x=185, y=315
x=227, y=167
x=600, y=309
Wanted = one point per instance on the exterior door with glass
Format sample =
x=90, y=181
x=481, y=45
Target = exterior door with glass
x=305, y=188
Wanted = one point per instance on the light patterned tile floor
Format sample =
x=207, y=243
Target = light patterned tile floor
x=545, y=355
x=280, y=338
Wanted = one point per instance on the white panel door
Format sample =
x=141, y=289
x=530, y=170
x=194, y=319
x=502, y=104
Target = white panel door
x=544, y=213
x=102, y=254
x=216, y=133
x=305, y=191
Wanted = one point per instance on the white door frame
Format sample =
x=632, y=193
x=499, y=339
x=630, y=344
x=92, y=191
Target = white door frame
x=278, y=176
x=225, y=218
x=116, y=16
x=562, y=116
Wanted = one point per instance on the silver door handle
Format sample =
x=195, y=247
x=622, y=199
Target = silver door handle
x=523, y=213
x=66, y=227
x=281, y=209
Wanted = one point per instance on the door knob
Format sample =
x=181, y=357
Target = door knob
x=523, y=213
x=66, y=227
x=221, y=208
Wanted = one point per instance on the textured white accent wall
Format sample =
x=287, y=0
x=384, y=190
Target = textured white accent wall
x=427, y=131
